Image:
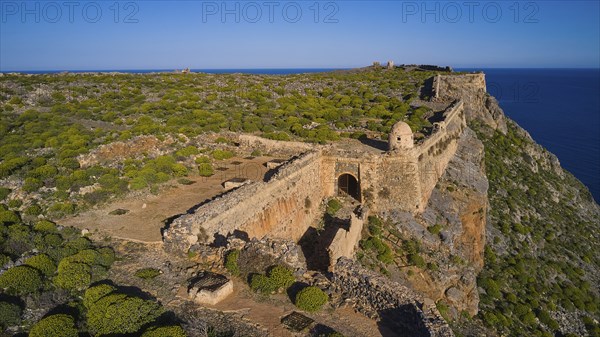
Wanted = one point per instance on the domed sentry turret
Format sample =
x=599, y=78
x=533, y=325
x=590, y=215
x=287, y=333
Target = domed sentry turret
x=401, y=137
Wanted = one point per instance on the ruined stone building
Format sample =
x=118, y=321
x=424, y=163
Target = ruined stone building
x=286, y=204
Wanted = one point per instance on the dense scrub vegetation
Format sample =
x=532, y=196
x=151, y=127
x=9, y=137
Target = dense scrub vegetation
x=542, y=256
x=47, y=122
x=53, y=271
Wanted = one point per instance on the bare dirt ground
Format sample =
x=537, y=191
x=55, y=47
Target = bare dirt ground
x=243, y=306
x=147, y=214
x=268, y=312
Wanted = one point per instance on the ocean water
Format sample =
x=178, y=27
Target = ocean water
x=560, y=108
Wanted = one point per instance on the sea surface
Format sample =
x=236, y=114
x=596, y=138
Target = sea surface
x=560, y=108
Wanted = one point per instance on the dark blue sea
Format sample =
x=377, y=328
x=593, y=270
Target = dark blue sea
x=560, y=108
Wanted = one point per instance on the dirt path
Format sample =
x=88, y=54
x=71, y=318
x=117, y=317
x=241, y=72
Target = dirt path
x=147, y=214
x=269, y=311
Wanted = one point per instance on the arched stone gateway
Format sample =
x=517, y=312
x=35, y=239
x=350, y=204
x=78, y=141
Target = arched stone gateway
x=348, y=184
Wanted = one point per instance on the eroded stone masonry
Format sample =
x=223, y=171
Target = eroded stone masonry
x=397, y=176
x=286, y=204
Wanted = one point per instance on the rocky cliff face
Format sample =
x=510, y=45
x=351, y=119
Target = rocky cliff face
x=541, y=265
x=451, y=231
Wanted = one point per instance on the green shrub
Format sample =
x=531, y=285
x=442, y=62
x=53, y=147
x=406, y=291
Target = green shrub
x=121, y=314
x=45, y=226
x=311, y=299
x=93, y=294
x=21, y=280
x=165, y=331
x=79, y=243
x=15, y=203
x=31, y=185
x=179, y=170
x=43, y=263
x=33, y=210
x=261, y=283
x=87, y=256
x=202, y=160
x=52, y=240
x=4, y=259
x=416, y=260
x=256, y=153
x=147, y=273
x=4, y=192
x=222, y=154
x=73, y=275
x=333, y=206
x=281, y=277
x=107, y=256
x=231, y=262
x=10, y=314
x=9, y=217
x=187, y=151
x=55, y=326
x=205, y=170
x=435, y=229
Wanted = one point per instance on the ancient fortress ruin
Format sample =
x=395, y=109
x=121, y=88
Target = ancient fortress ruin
x=285, y=204
x=381, y=177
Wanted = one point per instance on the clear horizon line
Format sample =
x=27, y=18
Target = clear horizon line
x=268, y=68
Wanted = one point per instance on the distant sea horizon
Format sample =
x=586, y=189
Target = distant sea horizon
x=559, y=107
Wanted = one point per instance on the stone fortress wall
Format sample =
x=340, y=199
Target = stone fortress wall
x=283, y=207
x=287, y=203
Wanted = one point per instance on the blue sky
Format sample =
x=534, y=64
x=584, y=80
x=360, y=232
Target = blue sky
x=196, y=34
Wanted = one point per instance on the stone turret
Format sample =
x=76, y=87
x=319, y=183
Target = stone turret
x=401, y=137
x=390, y=65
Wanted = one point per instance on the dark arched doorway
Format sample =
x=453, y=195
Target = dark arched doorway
x=348, y=184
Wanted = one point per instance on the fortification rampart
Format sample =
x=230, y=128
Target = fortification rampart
x=288, y=203
x=283, y=207
x=435, y=152
x=272, y=146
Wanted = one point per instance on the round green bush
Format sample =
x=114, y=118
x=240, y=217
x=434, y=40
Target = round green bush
x=147, y=273
x=55, y=326
x=93, y=294
x=80, y=243
x=21, y=280
x=9, y=217
x=4, y=259
x=43, y=263
x=73, y=275
x=45, y=226
x=222, y=154
x=87, y=256
x=281, y=277
x=311, y=299
x=231, y=262
x=10, y=314
x=262, y=283
x=121, y=314
x=205, y=169
x=107, y=256
x=165, y=331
